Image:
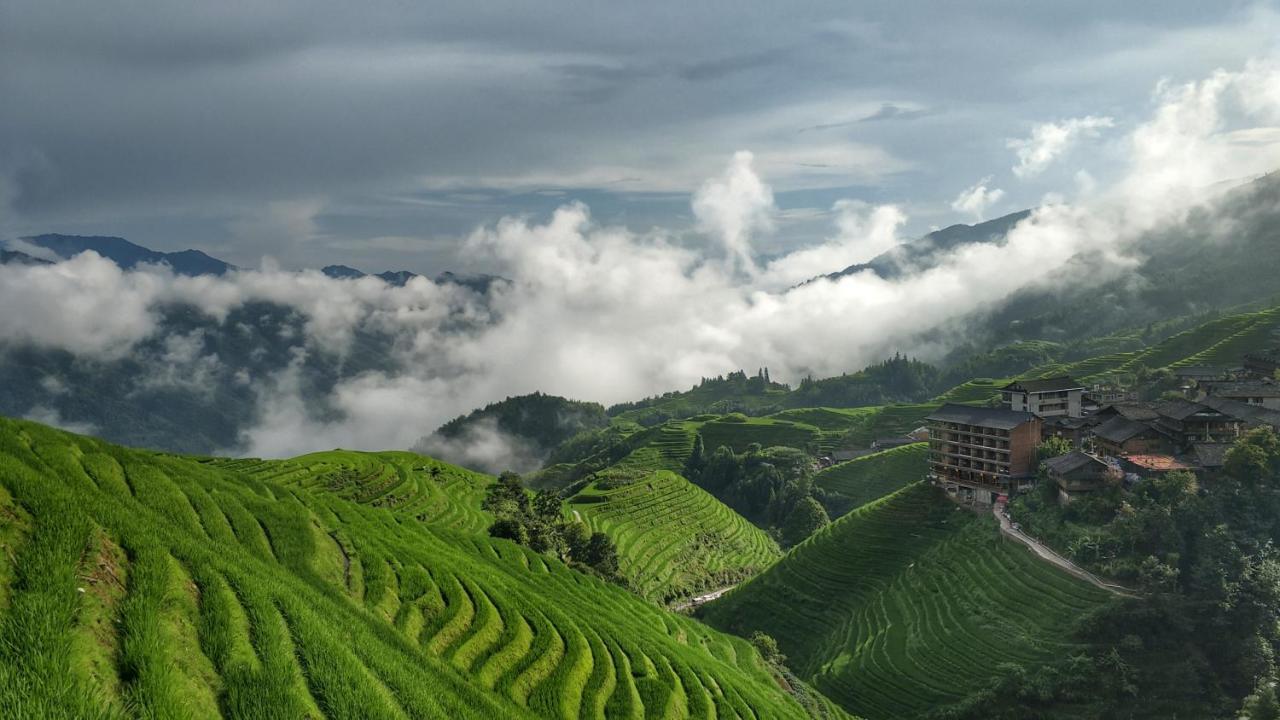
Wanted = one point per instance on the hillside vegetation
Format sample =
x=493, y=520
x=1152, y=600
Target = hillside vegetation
x=857, y=482
x=909, y=604
x=674, y=539
x=141, y=584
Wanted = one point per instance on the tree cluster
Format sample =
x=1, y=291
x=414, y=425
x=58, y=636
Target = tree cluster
x=772, y=487
x=538, y=522
x=1204, y=556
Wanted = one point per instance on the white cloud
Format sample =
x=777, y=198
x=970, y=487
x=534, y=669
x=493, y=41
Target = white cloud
x=605, y=314
x=1048, y=141
x=975, y=199
x=733, y=206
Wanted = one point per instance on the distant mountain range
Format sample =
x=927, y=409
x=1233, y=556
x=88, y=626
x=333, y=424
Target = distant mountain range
x=927, y=251
x=129, y=255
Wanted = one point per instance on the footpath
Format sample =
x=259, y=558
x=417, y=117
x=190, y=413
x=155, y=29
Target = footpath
x=1048, y=555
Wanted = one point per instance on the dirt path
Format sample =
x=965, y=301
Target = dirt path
x=702, y=599
x=577, y=516
x=1048, y=555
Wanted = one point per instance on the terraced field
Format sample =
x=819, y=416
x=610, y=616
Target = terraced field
x=665, y=447
x=977, y=391
x=907, y=604
x=855, y=483
x=412, y=485
x=768, y=432
x=857, y=427
x=147, y=585
x=1223, y=342
x=674, y=538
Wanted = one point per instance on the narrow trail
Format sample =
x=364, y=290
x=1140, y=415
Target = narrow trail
x=702, y=599
x=577, y=516
x=1048, y=555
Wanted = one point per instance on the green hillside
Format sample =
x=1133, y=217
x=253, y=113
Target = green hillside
x=737, y=432
x=857, y=482
x=148, y=585
x=908, y=604
x=674, y=538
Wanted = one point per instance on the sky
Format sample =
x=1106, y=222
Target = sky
x=386, y=134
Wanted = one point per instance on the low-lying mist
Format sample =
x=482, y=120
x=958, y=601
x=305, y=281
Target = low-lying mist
x=607, y=314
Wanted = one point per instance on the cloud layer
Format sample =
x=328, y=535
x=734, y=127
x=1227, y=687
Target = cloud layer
x=602, y=313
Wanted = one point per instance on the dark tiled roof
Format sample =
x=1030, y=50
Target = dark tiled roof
x=1132, y=410
x=1055, y=384
x=1182, y=409
x=985, y=417
x=1243, y=389
x=1243, y=411
x=1073, y=461
x=1210, y=455
x=1120, y=429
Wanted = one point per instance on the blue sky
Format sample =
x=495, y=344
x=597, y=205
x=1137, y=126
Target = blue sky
x=381, y=135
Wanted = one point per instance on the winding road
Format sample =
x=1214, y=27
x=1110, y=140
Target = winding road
x=1048, y=555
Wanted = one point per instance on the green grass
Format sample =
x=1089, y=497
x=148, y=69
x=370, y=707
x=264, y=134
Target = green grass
x=149, y=585
x=908, y=604
x=768, y=432
x=976, y=391
x=674, y=538
x=859, y=481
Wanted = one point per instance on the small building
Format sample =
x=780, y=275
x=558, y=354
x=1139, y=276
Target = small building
x=1077, y=473
x=977, y=453
x=1106, y=393
x=1201, y=373
x=1190, y=422
x=892, y=442
x=1263, y=393
x=1050, y=397
x=1120, y=435
x=1263, y=364
x=1209, y=457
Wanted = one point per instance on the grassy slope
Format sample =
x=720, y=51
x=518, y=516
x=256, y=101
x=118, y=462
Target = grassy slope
x=769, y=432
x=153, y=585
x=857, y=482
x=907, y=604
x=674, y=538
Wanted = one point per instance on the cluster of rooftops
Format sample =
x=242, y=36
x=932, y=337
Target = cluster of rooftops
x=981, y=454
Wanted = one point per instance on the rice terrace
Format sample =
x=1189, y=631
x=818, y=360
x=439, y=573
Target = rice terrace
x=660, y=361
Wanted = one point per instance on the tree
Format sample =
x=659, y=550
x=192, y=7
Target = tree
x=693, y=466
x=1262, y=704
x=576, y=536
x=511, y=529
x=805, y=519
x=767, y=647
x=1052, y=447
x=601, y=554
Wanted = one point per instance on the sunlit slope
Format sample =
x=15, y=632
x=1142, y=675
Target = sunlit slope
x=857, y=482
x=139, y=584
x=410, y=485
x=674, y=538
x=907, y=604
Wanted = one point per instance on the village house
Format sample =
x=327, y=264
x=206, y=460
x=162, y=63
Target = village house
x=1119, y=435
x=1077, y=473
x=1264, y=393
x=1191, y=422
x=977, y=454
x=1049, y=397
x=1264, y=364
